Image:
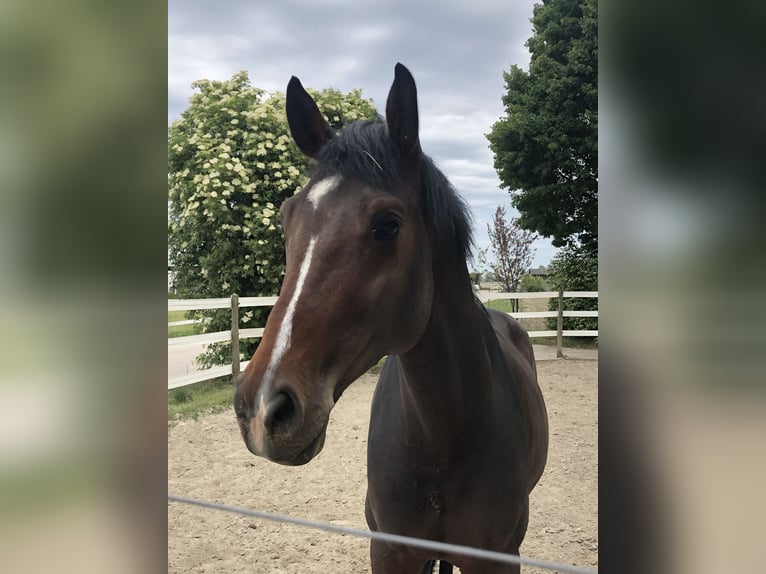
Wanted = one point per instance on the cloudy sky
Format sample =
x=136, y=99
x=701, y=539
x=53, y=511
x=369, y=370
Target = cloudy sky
x=456, y=49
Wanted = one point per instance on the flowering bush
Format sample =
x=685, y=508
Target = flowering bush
x=231, y=163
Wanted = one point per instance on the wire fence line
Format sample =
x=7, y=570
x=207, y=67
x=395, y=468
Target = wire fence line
x=386, y=537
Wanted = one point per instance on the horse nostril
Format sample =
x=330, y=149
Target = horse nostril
x=282, y=414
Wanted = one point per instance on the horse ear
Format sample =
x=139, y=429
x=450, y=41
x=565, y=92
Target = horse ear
x=307, y=124
x=402, y=112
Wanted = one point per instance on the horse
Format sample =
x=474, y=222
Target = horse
x=376, y=249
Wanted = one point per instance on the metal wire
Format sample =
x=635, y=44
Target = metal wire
x=390, y=538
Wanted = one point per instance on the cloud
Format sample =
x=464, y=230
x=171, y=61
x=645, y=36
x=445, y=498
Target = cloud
x=196, y=56
x=457, y=52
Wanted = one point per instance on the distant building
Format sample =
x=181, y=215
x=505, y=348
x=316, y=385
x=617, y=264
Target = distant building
x=539, y=272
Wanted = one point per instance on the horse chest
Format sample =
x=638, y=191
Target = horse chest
x=461, y=487
x=411, y=503
x=436, y=503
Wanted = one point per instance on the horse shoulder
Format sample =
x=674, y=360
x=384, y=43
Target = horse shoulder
x=507, y=328
x=518, y=351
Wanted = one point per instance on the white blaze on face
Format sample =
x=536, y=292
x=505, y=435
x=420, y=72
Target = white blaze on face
x=284, y=334
x=321, y=188
x=257, y=428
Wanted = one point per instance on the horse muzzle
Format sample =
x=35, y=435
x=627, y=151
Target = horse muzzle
x=275, y=427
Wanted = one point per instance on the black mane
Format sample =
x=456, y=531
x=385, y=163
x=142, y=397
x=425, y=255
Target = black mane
x=363, y=150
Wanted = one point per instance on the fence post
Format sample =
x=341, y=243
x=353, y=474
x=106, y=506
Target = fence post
x=560, y=326
x=235, y=335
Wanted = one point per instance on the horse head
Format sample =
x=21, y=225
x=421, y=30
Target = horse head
x=358, y=282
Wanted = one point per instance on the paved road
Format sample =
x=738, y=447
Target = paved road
x=181, y=361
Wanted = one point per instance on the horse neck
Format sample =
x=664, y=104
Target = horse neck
x=446, y=376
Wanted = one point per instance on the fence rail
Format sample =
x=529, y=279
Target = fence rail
x=235, y=334
x=221, y=303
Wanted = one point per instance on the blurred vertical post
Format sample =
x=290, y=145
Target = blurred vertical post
x=681, y=203
x=83, y=245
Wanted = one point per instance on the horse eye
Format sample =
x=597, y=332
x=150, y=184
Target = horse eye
x=386, y=228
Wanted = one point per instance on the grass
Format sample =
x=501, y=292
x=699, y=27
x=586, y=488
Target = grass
x=176, y=316
x=181, y=330
x=504, y=305
x=184, y=330
x=200, y=398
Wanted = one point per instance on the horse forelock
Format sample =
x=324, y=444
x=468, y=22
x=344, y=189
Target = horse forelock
x=363, y=150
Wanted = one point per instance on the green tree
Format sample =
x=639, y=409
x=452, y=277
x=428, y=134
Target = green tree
x=532, y=283
x=546, y=146
x=479, y=266
x=231, y=164
x=574, y=269
x=512, y=247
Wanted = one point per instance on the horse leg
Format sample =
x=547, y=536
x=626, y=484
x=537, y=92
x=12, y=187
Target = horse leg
x=513, y=548
x=444, y=567
x=387, y=559
x=521, y=529
x=486, y=567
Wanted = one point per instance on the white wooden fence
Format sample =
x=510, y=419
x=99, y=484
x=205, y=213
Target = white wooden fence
x=235, y=334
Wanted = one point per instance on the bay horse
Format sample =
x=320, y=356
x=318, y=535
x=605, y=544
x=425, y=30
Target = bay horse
x=376, y=248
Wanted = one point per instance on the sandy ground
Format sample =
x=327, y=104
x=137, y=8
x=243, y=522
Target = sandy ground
x=208, y=460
